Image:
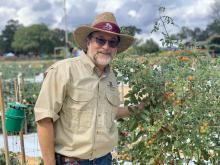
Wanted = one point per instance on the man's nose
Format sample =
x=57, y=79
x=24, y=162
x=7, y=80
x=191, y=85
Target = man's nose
x=106, y=45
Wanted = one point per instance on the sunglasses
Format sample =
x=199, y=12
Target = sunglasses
x=102, y=42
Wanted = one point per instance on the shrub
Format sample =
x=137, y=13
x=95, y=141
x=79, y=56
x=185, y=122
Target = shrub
x=180, y=119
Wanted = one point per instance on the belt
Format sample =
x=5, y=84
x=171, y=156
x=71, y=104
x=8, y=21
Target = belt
x=66, y=159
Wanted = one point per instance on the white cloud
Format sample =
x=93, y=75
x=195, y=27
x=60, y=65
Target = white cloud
x=26, y=16
x=134, y=14
x=111, y=6
x=5, y=15
x=198, y=8
x=196, y=14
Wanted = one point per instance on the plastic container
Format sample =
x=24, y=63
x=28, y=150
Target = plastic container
x=14, y=117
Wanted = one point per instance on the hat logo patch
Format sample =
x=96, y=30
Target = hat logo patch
x=107, y=26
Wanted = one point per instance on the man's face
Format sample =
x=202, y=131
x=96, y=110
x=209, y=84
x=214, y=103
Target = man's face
x=102, y=47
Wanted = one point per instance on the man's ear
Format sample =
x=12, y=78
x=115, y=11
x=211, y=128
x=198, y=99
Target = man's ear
x=87, y=42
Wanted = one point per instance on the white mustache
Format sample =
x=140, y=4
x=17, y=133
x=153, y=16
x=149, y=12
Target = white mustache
x=108, y=53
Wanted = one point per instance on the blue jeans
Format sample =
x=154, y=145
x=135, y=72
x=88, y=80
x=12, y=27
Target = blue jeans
x=104, y=160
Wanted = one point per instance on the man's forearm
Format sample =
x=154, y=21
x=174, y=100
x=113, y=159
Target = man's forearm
x=46, y=140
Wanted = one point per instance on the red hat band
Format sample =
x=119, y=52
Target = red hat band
x=108, y=26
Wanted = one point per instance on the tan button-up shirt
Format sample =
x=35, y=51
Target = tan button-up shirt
x=82, y=105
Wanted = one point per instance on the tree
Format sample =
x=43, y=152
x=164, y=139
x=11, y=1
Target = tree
x=202, y=36
x=215, y=14
x=7, y=36
x=192, y=34
x=149, y=46
x=214, y=44
x=131, y=30
x=36, y=39
x=199, y=35
x=213, y=28
x=1, y=46
x=185, y=33
x=59, y=37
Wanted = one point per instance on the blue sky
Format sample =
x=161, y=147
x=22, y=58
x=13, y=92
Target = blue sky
x=141, y=13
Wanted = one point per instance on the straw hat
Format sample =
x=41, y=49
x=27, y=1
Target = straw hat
x=105, y=22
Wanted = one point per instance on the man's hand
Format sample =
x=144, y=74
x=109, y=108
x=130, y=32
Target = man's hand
x=126, y=111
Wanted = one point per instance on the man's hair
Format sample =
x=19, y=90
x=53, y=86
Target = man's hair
x=90, y=35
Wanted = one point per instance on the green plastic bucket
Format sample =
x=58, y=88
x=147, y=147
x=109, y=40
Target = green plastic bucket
x=14, y=112
x=14, y=117
x=16, y=105
x=14, y=123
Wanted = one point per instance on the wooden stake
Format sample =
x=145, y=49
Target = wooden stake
x=122, y=92
x=22, y=147
x=16, y=89
x=20, y=86
x=5, y=135
x=17, y=94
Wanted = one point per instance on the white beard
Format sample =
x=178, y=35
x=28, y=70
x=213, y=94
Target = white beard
x=101, y=59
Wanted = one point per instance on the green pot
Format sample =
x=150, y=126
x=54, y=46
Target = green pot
x=14, y=112
x=14, y=119
x=14, y=123
x=16, y=105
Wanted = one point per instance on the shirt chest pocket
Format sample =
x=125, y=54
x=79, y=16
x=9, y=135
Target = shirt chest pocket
x=112, y=104
x=80, y=105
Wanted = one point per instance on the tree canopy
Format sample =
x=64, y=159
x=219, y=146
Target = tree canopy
x=7, y=36
x=35, y=38
x=131, y=30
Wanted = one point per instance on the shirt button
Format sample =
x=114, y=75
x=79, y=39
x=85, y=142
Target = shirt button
x=99, y=115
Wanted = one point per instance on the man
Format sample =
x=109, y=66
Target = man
x=79, y=99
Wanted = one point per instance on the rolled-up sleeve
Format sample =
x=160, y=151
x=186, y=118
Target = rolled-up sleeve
x=52, y=94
